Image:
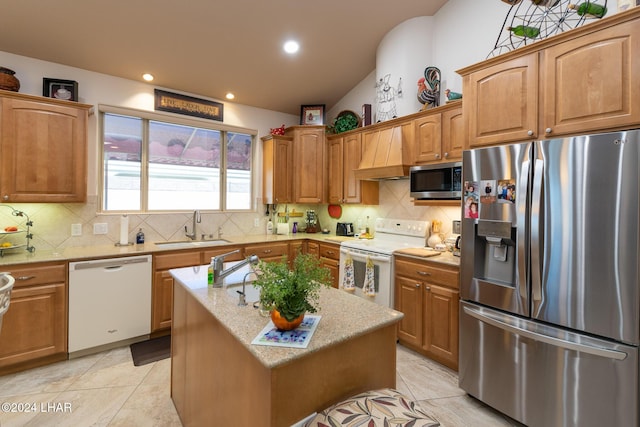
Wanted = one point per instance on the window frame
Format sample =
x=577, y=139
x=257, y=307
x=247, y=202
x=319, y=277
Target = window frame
x=173, y=119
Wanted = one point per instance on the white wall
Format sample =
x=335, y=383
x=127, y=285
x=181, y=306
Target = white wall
x=96, y=88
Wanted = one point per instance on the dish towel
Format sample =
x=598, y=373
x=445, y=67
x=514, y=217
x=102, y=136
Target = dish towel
x=348, y=282
x=369, y=286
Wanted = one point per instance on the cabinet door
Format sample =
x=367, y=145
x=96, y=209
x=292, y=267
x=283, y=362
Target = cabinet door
x=162, y=297
x=334, y=269
x=428, y=131
x=440, y=339
x=408, y=300
x=453, y=137
x=336, y=171
x=43, y=152
x=501, y=102
x=277, y=169
x=309, y=175
x=162, y=289
x=591, y=82
x=313, y=248
x=35, y=325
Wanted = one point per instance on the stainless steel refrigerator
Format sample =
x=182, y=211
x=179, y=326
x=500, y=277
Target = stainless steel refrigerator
x=549, y=315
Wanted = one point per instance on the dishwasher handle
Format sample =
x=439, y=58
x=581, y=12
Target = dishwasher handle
x=110, y=264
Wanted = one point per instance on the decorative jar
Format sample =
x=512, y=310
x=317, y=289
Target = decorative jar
x=8, y=80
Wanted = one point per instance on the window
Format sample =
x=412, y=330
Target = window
x=152, y=165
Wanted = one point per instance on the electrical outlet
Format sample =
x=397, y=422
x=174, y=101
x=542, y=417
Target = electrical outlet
x=256, y=222
x=100, y=228
x=76, y=229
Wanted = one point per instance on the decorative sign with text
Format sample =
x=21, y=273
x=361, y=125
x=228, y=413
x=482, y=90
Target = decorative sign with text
x=188, y=105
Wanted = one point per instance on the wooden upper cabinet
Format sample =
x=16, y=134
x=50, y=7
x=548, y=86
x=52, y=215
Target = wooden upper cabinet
x=501, y=102
x=439, y=134
x=428, y=138
x=43, y=147
x=345, y=154
x=580, y=81
x=277, y=169
x=309, y=160
x=591, y=82
x=453, y=136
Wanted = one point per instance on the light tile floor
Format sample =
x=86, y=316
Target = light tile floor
x=105, y=389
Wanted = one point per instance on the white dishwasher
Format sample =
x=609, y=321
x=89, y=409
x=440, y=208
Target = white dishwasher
x=109, y=302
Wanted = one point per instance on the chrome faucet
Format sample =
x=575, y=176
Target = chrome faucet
x=196, y=219
x=218, y=263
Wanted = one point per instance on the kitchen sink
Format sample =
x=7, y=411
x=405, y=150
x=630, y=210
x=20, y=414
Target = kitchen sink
x=177, y=244
x=251, y=292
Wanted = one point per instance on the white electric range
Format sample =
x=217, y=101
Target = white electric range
x=389, y=236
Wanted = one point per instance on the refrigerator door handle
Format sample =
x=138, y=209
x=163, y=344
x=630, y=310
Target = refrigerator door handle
x=498, y=323
x=536, y=235
x=522, y=229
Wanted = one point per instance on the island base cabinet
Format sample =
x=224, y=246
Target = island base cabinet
x=217, y=381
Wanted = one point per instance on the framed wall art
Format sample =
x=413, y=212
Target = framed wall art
x=312, y=114
x=60, y=89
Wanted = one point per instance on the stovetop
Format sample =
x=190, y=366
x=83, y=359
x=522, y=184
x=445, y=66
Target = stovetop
x=392, y=234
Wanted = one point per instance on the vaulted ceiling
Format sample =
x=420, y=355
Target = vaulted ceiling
x=211, y=47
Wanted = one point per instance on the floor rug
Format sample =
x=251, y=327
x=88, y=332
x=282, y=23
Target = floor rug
x=151, y=350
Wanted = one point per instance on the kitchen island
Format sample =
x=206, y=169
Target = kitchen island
x=219, y=378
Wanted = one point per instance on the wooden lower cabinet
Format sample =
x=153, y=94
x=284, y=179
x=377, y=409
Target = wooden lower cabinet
x=268, y=252
x=428, y=296
x=34, y=328
x=162, y=291
x=330, y=258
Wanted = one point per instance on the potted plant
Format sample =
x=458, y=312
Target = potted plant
x=290, y=293
x=345, y=121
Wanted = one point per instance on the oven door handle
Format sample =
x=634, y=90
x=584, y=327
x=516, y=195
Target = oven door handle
x=363, y=257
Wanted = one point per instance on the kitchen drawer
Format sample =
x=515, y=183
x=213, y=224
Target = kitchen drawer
x=37, y=274
x=177, y=260
x=267, y=250
x=329, y=250
x=428, y=273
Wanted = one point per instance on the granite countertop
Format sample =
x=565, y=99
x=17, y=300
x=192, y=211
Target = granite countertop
x=443, y=258
x=344, y=316
x=107, y=251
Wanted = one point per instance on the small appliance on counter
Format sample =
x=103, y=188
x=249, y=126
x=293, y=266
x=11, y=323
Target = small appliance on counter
x=345, y=229
x=311, y=220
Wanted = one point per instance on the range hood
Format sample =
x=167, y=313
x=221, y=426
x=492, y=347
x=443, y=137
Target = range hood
x=384, y=155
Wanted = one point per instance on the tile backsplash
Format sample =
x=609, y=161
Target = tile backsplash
x=52, y=221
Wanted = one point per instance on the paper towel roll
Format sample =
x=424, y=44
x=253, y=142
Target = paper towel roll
x=283, y=228
x=124, y=230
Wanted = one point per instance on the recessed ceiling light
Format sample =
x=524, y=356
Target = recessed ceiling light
x=147, y=77
x=229, y=95
x=291, y=46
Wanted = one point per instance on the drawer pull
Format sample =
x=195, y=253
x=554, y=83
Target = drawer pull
x=330, y=252
x=267, y=251
x=25, y=277
x=424, y=273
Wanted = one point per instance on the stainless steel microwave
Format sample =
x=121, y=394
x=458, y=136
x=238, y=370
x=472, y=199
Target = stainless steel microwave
x=436, y=182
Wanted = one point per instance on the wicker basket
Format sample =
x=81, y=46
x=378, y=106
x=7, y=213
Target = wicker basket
x=8, y=81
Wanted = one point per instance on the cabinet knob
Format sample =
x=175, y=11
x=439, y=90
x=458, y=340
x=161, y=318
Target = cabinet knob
x=530, y=133
x=437, y=156
x=427, y=288
x=446, y=155
x=547, y=130
x=417, y=285
x=5, y=197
